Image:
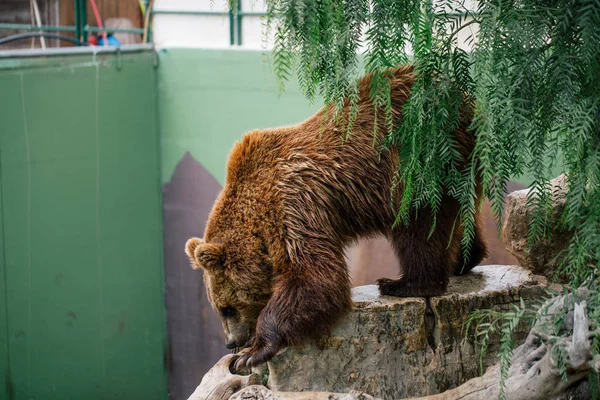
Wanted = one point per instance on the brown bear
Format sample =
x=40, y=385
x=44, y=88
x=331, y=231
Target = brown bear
x=294, y=198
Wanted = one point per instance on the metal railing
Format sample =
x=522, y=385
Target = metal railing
x=82, y=30
x=235, y=19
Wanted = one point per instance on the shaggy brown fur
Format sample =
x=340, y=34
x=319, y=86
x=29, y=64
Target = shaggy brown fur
x=294, y=198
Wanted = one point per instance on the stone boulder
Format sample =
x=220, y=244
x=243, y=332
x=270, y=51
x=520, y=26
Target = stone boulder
x=393, y=348
x=543, y=257
x=387, y=347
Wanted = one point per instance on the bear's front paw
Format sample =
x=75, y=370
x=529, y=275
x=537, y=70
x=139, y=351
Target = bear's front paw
x=403, y=288
x=390, y=287
x=256, y=355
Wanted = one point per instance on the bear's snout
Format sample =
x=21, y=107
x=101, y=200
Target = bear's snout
x=234, y=343
x=231, y=345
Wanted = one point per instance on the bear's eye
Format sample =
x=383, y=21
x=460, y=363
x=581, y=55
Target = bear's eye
x=228, y=312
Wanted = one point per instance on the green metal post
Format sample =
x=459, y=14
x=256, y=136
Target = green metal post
x=93, y=29
x=238, y=17
x=187, y=12
x=83, y=10
x=149, y=35
x=231, y=28
x=253, y=14
x=77, y=21
x=43, y=28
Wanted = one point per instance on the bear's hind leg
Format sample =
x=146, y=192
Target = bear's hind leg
x=426, y=262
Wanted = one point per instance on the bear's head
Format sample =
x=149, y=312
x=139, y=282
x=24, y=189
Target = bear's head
x=238, y=284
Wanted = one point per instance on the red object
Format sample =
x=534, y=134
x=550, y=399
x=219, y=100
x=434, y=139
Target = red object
x=99, y=20
x=93, y=40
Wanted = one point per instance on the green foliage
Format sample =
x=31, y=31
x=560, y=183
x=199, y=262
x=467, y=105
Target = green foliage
x=530, y=69
x=553, y=327
x=489, y=323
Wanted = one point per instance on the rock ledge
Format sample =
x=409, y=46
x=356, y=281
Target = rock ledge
x=395, y=348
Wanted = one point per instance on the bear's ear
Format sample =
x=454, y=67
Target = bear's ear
x=190, y=248
x=205, y=255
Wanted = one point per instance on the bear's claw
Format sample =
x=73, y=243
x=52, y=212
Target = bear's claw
x=255, y=356
x=240, y=363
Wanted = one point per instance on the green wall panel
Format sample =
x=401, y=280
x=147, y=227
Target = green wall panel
x=5, y=382
x=210, y=98
x=81, y=217
x=5, y=389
